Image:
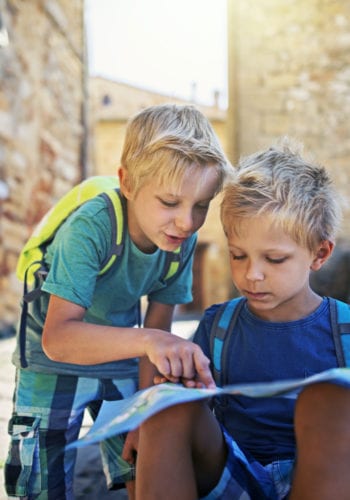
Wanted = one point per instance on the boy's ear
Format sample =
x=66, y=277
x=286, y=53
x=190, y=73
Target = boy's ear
x=124, y=182
x=323, y=253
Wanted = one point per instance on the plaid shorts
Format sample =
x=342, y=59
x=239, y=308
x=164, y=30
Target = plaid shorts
x=47, y=416
x=244, y=478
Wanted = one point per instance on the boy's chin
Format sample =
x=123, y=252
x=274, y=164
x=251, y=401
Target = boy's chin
x=168, y=246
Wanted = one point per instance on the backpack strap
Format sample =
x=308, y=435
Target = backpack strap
x=220, y=334
x=116, y=205
x=39, y=275
x=340, y=323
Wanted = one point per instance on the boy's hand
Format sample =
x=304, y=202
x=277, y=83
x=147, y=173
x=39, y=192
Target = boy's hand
x=190, y=384
x=130, y=447
x=177, y=359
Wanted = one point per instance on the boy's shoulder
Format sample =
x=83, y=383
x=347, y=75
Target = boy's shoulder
x=212, y=310
x=219, y=314
x=223, y=311
x=224, y=304
x=96, y=207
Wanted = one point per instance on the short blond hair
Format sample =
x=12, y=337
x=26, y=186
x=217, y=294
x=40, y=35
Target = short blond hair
x=163, y=142
x=296, y=194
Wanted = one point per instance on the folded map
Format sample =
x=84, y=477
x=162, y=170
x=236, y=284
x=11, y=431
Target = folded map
x=116, y=417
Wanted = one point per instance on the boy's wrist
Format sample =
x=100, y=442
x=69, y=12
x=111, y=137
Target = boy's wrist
x=147, y=372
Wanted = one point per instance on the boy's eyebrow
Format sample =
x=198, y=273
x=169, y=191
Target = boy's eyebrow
x=235, y=246
x=168, y=195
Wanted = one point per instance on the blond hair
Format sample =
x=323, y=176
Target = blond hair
x=296, y=194
x=163, y=142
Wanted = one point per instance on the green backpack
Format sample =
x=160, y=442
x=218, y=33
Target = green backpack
x=31, y=267
x=31, y=257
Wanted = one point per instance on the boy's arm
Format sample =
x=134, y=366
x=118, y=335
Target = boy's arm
x=157, y=316
x=67, y=338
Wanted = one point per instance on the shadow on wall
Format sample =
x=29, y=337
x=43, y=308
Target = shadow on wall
x=333, y=279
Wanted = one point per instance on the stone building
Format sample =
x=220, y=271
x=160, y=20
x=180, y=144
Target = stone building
x=42, y=122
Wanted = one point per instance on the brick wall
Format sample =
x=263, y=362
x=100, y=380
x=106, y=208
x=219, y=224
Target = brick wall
x=41, y=123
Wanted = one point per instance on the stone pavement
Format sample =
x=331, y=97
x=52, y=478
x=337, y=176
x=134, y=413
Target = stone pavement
x=89, y=479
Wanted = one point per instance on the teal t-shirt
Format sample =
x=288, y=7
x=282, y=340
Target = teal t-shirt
x=75, y=258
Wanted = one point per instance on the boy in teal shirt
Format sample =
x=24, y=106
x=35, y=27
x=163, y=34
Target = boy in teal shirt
x=81, y=344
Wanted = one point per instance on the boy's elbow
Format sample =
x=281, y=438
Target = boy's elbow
x=51, y=353
x=51, y=349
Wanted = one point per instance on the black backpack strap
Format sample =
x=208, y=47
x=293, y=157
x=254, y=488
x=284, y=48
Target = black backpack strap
x=340, y=324
x=115, y=204
x=29, y=296
x=220, y=334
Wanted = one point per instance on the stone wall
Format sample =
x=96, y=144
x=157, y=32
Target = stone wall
x=289, y=72
x=41, y=123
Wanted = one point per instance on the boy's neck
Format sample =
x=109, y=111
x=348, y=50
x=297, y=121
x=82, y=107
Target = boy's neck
x=292, y=310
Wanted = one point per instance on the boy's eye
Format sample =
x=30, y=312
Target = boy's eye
x=276, y=261
x=175, y=203
x=238, y=257
x=167, y=203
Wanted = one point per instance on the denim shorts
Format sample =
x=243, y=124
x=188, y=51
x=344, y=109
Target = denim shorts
x=245, y=478
x=47, y=416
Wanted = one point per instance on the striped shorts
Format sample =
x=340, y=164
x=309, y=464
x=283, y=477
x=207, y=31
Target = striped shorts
x=243, y=478
x=47, y=415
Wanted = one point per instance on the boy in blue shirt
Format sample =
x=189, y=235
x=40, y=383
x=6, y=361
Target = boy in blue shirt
x=81, y=344
x=280, y=216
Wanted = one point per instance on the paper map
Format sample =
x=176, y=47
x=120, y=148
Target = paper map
x=116, y=417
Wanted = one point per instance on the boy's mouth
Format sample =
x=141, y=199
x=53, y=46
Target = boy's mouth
x=255, y=295
x=175, y=240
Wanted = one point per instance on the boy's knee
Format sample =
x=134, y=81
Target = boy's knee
x=323, y=441
x=323, y=407
x=177, y=417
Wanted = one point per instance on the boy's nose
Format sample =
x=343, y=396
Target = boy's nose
x=184, y=221
x=254, y=272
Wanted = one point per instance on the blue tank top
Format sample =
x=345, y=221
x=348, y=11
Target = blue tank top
x=262, y=351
